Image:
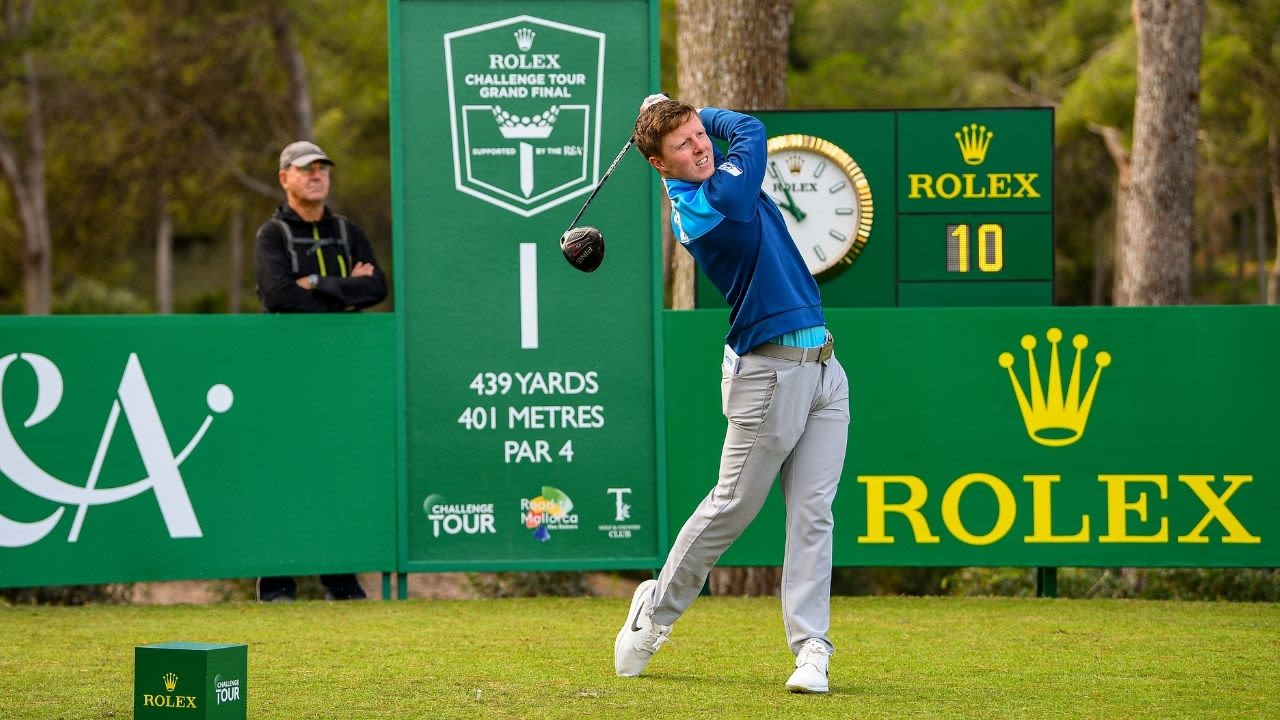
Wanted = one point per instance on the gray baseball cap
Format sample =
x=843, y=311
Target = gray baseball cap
x=302, y=154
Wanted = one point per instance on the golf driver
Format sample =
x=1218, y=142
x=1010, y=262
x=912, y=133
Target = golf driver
x=583, y=246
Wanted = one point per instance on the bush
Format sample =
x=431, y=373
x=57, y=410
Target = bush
x=86, y=296
x=1231, y=584
x=114, y=594
x=530, y=584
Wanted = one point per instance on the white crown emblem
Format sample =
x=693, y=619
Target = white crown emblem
x=524, y=39
x=537, y=126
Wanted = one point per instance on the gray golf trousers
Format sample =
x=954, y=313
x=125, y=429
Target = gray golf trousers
x=784, y=415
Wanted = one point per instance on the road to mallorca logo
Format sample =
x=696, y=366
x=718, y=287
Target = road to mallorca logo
x=143, y=419
x=524, y=110
x=552, y=510
x=1052, y=418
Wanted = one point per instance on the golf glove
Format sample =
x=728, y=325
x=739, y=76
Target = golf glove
x=655, y=98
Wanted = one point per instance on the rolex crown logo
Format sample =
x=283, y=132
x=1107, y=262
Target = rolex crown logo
x=795, y=164
x=974, y=140
x=1052, y=419
x=524, y=39
x=170, y=681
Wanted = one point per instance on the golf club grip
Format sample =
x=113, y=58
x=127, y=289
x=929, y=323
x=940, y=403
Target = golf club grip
x=617, y=159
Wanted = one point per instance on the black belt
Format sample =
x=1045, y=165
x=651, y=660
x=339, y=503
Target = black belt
x=801, y=355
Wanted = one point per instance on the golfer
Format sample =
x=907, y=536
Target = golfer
x=783, y=392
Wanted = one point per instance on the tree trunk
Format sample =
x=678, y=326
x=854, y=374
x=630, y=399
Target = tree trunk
x=1260, y=238
x=1102, y=259
x=164, y=254
x=295, y=68
x=23, y=166
x=733, y=54
x=235, y=286
x=1273, y=164
x=1155, y=258
x=1114, y=142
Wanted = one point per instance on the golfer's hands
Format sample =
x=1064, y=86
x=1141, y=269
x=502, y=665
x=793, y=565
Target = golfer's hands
x=652, y=99
x=362, y=269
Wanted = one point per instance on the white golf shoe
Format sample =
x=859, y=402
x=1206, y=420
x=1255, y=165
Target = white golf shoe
x=811, y=668
x=639, y=637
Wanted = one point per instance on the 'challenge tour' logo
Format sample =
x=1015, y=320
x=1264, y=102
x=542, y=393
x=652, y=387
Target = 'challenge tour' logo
x=455, y=518
x=552, y=510
x=135, y=402
x=226, y=691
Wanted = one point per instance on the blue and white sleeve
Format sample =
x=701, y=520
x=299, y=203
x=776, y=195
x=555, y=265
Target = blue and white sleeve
x=735, y=186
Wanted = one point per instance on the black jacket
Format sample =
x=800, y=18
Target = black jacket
x=329, y=248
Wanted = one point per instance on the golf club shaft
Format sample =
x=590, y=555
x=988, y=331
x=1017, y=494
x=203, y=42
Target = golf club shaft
x=607, y=173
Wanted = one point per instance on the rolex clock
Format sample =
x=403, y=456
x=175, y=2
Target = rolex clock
x=824, y=198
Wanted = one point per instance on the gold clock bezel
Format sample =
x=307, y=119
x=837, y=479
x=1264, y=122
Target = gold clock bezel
x=861, y=232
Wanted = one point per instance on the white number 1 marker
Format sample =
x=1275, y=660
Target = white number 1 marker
x=528, y=296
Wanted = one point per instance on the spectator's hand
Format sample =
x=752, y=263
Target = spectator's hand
x=362, y=269
x=303, y=282
x=653, y=99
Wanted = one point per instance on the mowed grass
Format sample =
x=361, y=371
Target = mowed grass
x=549, y=658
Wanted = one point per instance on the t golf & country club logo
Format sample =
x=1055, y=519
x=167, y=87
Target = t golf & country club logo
x=135, y=401
x=552, y=510
x=1053, y=419
x=622, y=527
x=524, y=110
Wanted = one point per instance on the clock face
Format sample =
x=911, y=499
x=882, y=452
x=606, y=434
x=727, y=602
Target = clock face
x=824, y=198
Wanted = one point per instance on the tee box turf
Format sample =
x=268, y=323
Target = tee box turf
x=191, y=681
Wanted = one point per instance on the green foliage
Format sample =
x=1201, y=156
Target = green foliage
x=530, y=584
x=889, y=581
x=76, y=595
x=185, y=101
x=87, y=296
x=1231, y=584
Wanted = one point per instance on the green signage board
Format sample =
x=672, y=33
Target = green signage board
x=528, y=387
x=957, y=207
x=191, y=681
x=153, y=448
x=1024, y=436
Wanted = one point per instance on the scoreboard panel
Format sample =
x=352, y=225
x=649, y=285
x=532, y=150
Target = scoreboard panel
x=962, y=205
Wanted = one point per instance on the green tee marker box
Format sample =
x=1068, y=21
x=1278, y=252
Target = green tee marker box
x=190, y=681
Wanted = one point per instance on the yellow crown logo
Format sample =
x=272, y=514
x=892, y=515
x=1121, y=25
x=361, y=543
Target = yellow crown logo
x=974, y=140
x=795, y=164
x=170, y=681
x=1052, y=419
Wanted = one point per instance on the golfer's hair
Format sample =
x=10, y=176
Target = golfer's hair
x=656, y=121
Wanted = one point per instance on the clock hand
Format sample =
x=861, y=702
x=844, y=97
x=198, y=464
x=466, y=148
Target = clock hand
x=790, y=207
x=791, y=203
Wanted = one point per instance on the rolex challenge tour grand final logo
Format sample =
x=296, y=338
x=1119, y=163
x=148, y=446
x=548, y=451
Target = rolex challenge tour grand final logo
x=524, y=110
x=135, y=402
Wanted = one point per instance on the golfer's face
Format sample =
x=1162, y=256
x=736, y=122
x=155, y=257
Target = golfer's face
x=309, y=184
x=687, y=153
